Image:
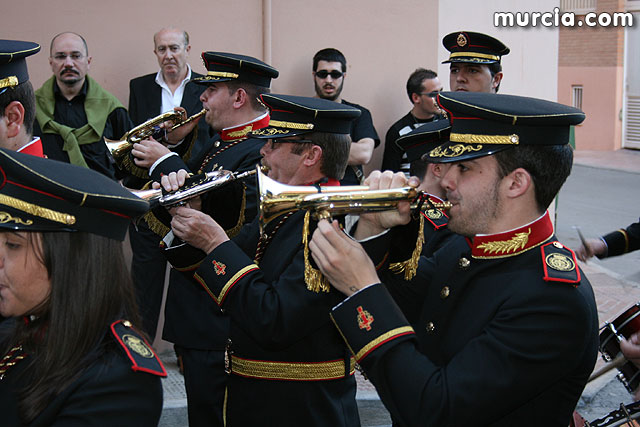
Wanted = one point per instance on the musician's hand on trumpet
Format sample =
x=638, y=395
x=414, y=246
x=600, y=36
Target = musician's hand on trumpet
x=175, y=134
x=341, y=259
x=374, y=223
x=147, y=152
x=189, y=223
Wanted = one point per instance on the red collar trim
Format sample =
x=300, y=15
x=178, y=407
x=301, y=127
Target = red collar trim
x=331, y=182
x=513, y=242
x=325, y=182
x=34, y=148
x=241, y=131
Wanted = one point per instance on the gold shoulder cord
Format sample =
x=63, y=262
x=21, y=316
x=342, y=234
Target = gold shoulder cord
x=314, y=279
x=410, y=266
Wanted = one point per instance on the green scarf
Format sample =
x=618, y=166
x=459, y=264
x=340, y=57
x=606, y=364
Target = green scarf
x=98, y=105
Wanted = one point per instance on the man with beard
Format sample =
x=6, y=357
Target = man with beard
x=475, y=61
x=329, y=72
x=508, y=327
x=74, y=113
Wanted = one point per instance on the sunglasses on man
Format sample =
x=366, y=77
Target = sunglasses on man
x=335, y=74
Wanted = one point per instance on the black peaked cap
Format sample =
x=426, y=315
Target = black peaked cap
x=470, y=47
x=424, y=139
x=13, y=66
x=297, y=115
x=39, y=194
x=485, y=123
x=224, y=67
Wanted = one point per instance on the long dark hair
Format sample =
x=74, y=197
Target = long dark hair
x=90, y=288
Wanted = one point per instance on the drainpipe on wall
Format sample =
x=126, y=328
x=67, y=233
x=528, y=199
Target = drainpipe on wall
x=266, y=31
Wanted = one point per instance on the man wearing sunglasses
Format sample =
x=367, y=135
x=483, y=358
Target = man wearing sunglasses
x=288, y=365
x=329, y=72
x=422, y=88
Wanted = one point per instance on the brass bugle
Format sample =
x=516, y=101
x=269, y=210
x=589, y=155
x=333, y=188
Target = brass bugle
x=119, y=149
x=210, y=181
x=276, y=199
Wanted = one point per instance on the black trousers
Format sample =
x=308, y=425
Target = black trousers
x=205, y=381
x=148, y=267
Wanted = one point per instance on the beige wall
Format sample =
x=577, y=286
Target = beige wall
x=601, y=102
x=383, y=40
x=531, y=67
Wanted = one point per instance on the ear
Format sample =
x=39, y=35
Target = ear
x=188, y=48
x=518, y=182
x=497, y=78
x=240, y=98
x=415, y=98
x=436, y=169
x=313, y=156
x=89, y=62
x=14, y=116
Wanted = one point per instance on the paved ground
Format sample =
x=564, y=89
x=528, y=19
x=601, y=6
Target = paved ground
x=602, y=194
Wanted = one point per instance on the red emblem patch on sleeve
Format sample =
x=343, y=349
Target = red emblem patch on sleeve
x=219, y=267
x=365, y=319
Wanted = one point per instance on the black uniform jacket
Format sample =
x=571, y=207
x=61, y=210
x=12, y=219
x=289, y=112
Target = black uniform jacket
x=507, y=334
x=275, y=318
x=624, y=240
x=190, y=318
x=435, y=235
x=113, y=391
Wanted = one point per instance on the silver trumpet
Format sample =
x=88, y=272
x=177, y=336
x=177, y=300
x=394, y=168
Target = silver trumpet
x=209, y=181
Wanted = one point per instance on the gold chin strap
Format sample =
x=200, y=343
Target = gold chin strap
x=314, y=279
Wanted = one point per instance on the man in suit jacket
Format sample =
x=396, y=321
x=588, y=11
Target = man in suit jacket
x=149, y=96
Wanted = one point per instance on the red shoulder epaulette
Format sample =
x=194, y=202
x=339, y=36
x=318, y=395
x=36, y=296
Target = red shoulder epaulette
x=436, y=217
x=559, y=263
x=137, y=349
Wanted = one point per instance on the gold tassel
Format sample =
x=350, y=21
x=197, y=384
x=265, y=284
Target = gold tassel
x=410, y=266
x=135, y=170
x=187, y=155
x=155, y=224
x=314, y=279
x=232, y=232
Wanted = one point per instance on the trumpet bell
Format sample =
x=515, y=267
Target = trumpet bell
x=276, y=199
x=119, y=149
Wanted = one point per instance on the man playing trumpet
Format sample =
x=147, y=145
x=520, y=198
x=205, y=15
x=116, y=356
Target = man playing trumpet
x=198, y=328
x=507, y=331
x=289, y=366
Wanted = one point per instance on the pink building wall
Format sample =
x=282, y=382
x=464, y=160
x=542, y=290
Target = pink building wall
x=384, y=41
x=601, y=102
